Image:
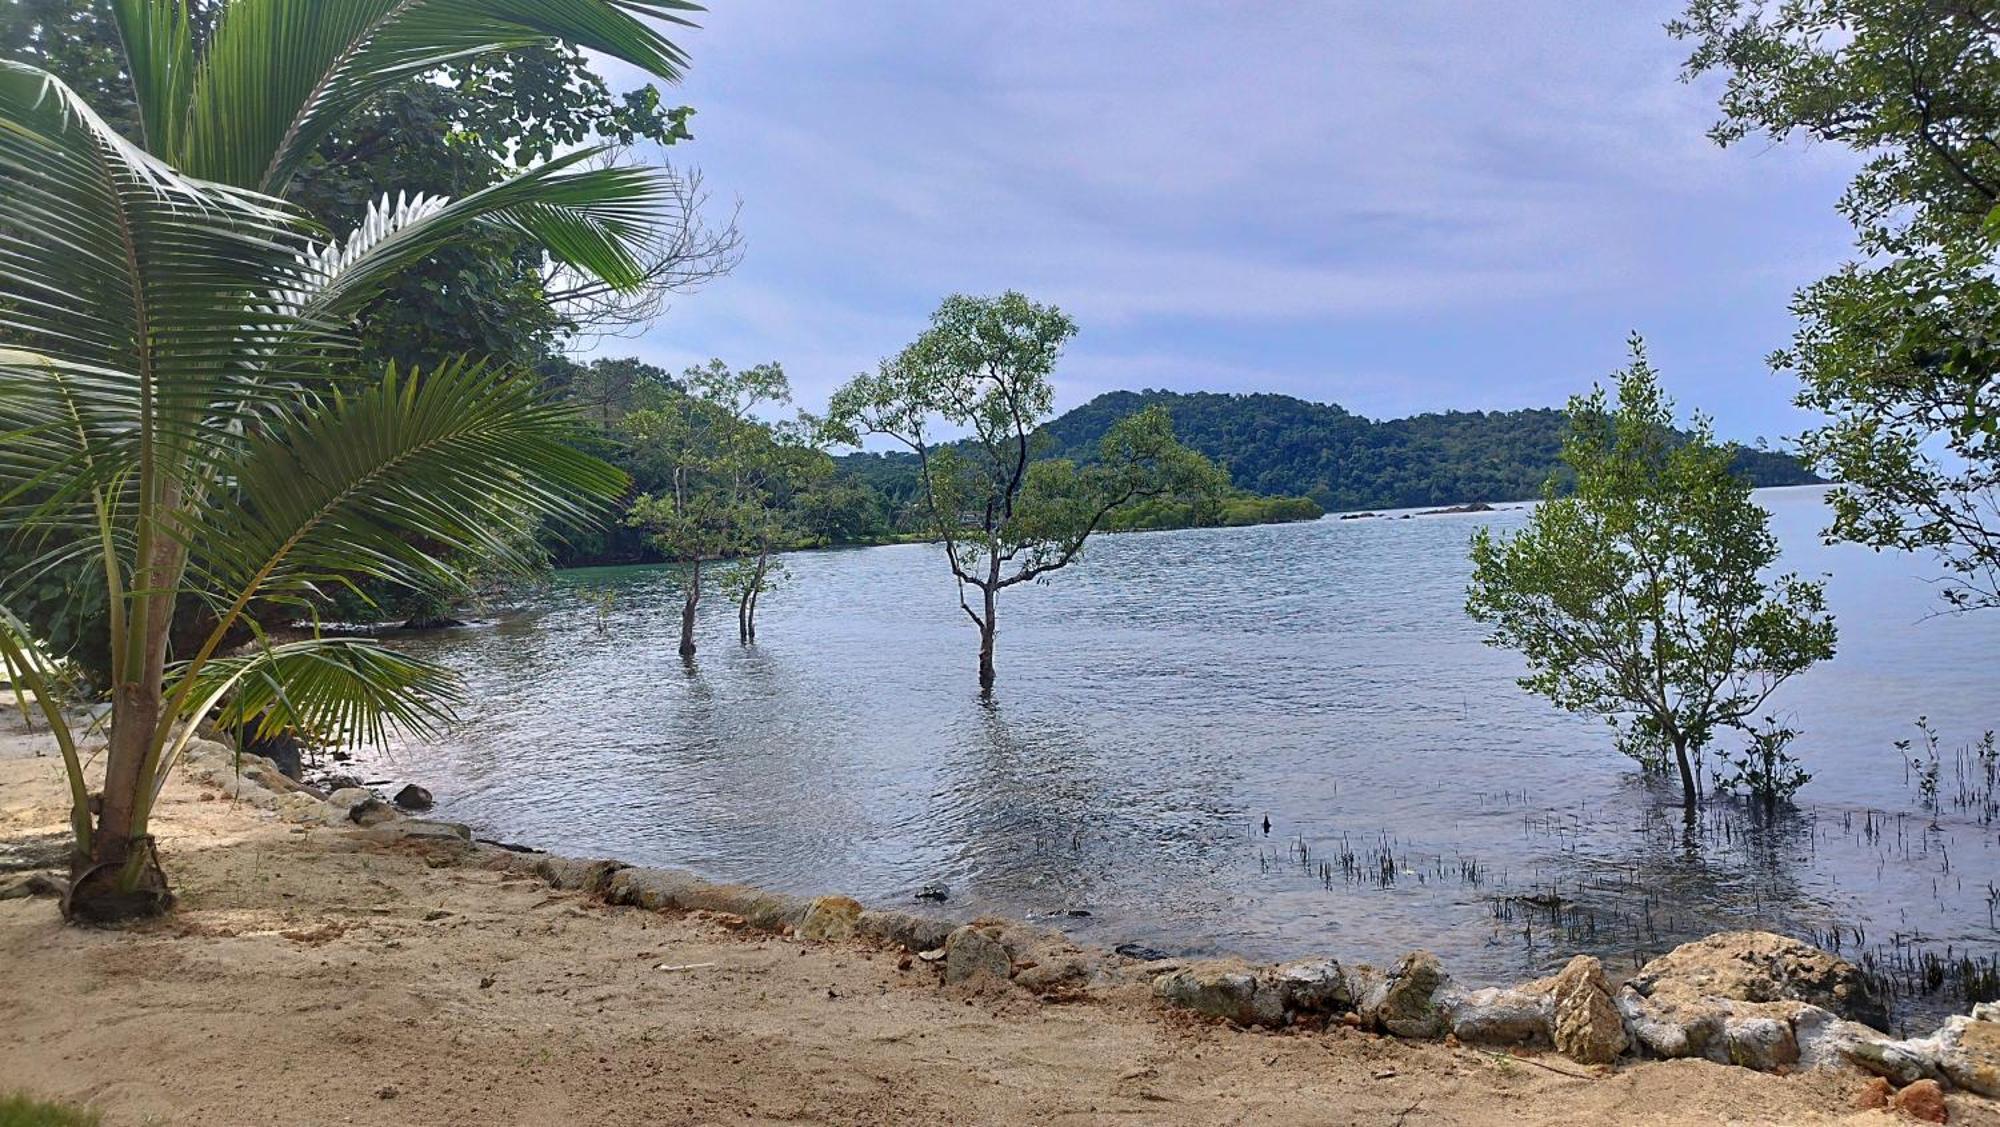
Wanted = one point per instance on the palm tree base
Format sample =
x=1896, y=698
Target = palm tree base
x=103, y=892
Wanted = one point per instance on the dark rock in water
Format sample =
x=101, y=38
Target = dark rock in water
x=1358, y=516
x=1077, y=913
x=937, y=892
x=1474, y=507
x=414, y=797
x=1141, y=952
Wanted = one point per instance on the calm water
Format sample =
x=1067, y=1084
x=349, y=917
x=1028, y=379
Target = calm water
x=1166, y=695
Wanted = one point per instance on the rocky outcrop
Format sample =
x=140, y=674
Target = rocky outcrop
x=1744, y=997
x=1587, y=1026
x=414, y=797
x=1235, y=991
x=1759, y=966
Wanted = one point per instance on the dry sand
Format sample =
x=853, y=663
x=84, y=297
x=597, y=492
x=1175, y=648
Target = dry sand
x=308, y=979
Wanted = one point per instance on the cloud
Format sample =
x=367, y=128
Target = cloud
x=1403, y=207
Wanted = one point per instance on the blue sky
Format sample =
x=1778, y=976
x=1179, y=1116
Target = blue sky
x=1395, y=207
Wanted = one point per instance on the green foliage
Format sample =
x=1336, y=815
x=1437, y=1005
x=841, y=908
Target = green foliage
x=1764, y=768
x=718, y=468
x=1004, y=516
x=1896, y=350
x=1642, y=596
x=174, y=409
x=1275, y=445
x=22, y=1110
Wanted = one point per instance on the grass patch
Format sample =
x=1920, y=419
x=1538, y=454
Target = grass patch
x=21, y=1110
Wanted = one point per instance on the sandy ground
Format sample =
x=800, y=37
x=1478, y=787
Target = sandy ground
x=305, y=979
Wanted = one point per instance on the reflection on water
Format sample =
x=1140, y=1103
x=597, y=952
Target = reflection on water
x=1168, y=694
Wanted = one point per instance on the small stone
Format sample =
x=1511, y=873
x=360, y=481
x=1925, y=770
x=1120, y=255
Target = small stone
x=937, y=892
x=387, y=1092
x=973, y=952
x=1876, y=1094
x=1923, y=1100
x=414, y=797
x=830, y=918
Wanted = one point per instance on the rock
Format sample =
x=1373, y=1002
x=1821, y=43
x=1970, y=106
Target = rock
x=1824, y=1040
x=1923, y=1100
x=1313, y=986
x=347, y=798
x=975, y=951
x=1057, y=977
x=1405, y=1003
x=1765, y=1044
x=830, y=918
x=371, y=811
x=1141, y=952
x=1758, y=966
x=936, y=892
x=414, y=797
x=1968, y=1052
x=1501, y=1017
x=1903, y=1062
x=1585, y=1025
x=1224, y=988
x=1874, y=1095
x=910, y=932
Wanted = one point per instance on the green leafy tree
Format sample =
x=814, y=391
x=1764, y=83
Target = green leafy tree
x=1005, y=518
x=1897, y=350
x=1642, y=597
x=174, y=402
x=717, y=462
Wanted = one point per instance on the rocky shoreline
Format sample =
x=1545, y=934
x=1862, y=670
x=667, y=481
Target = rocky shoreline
x=1750, y=999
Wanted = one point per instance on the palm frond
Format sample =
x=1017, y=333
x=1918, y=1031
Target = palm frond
x=278, y=75
x=158, y=36
x=384, y=482
x=589, y=219
x=339, y=692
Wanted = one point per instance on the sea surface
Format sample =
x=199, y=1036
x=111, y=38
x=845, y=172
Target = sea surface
x=1164, y=697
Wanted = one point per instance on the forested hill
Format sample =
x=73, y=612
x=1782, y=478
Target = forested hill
x=1278, y=445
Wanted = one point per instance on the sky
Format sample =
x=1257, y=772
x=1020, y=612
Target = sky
x=1396, y=207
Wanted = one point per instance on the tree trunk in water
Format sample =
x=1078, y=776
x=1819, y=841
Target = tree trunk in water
x=743, y=619
x=986, y=631
x=120, y=877
x=687, y=610
x=756, y=589
x=1688, y=793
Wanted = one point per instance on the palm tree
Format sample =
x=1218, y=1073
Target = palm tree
x=175, y=406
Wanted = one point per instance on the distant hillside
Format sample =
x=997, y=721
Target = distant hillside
x=1278, y=445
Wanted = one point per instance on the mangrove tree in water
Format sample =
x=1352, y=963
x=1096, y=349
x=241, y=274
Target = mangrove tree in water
x=721, y=467
x=1006, y=518
x=1642, y=596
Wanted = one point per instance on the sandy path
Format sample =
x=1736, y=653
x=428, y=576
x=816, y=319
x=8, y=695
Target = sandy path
x=308, y=980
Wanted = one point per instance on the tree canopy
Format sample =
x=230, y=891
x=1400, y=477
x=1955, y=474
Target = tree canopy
x=1897, y=349
x=1642, y=596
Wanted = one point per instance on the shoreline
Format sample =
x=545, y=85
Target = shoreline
x=270, y=882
